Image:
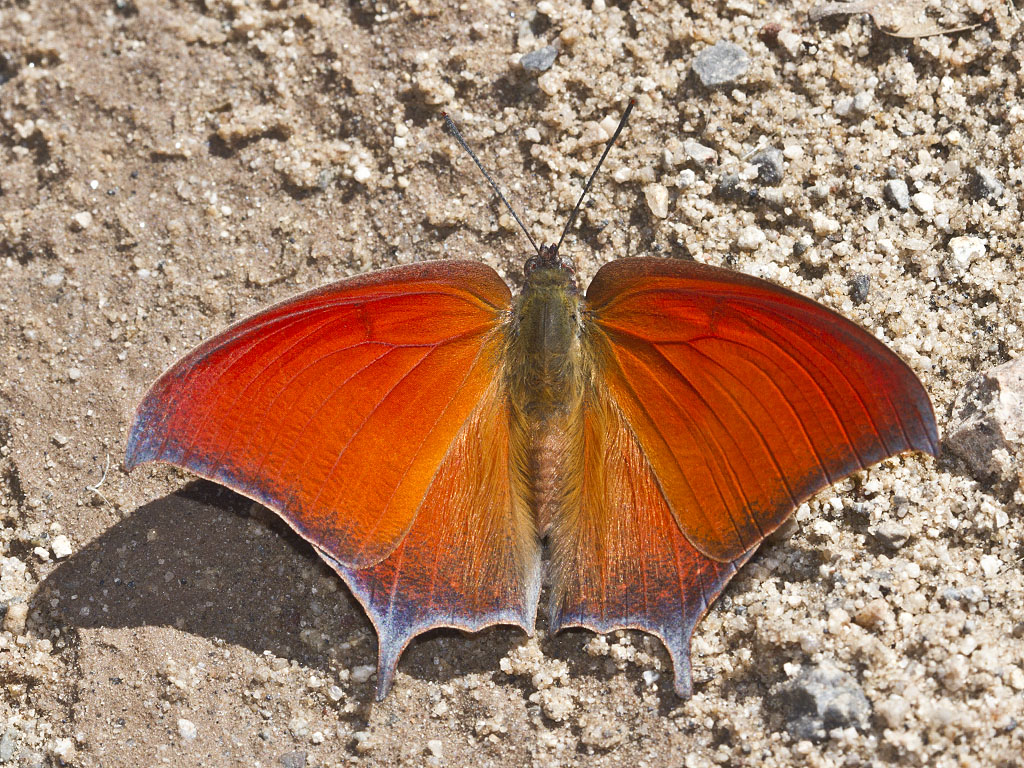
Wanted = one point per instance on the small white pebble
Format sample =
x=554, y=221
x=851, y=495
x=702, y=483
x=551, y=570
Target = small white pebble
x=924, y=202
x=990, y=565
x=362, y=174
x=823, y=225
x=74, y=373
x=17, y=615
x=698, y=153
x=966, y=249
x=751, y=238
x=334, y=693
x=81, y=220
x=862, y=101
x=63, y=749
x=435, y=747
x=532, y=135
x=362, y=673
x=657, y=200
x=187, y=729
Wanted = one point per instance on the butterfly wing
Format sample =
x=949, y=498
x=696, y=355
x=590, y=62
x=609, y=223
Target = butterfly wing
x=619, y=560
x=746, y=398
x=720, y=403
x=471, y=558
x=366, y=415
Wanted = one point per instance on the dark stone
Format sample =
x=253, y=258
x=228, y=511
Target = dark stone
x=860, y=286
x=730, y=186
x=819, y=699
x=986, y=185
x=770, y=165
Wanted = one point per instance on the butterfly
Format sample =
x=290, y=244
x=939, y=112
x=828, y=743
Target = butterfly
x=427, y=432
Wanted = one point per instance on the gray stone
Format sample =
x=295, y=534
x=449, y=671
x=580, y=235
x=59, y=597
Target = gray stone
x=988, y=416
x=821, y=698
x=540, y=60
x=986, y=185
x=292, y=760
x=721, y=64
x=770, y=165
x=897, y=193
x=890, y=534
x=699, y=154
x=860, y=286
x=730, y=186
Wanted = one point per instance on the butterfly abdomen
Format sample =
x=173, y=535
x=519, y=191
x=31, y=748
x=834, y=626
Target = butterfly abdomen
x=545, y=386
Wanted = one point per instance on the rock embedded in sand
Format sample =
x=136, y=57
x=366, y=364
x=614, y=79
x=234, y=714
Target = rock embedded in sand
x=987, y=423
x=540, y=60
x=15, y=618
x=860, y=286
x=656, y=196
x=963, y=251
x=897, y=193
x=821, y=698
x=81, y=220
x=985, y=184
x=770, y=165
x=187, y=729
x=890, y=534
x=751, y=238
x=699, y=154
x=721, y=64
x=61, y=546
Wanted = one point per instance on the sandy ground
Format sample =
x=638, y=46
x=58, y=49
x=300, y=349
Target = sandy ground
x=166, y=168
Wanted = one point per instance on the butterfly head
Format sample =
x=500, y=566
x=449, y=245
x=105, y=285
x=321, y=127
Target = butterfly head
x=548, y=258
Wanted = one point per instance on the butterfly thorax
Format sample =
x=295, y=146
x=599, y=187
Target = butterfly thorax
x=545, y=385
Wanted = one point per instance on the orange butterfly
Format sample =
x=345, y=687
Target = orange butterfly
x=425, y=431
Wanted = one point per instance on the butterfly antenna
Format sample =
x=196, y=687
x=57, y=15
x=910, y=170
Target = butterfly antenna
x=450, y=127
x=607, y=149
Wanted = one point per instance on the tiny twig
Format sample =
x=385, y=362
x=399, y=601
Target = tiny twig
x=96, y=488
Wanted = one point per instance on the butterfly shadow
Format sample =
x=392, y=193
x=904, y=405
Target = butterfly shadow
x=209, y=562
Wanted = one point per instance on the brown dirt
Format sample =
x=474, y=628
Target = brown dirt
x=166, y=168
